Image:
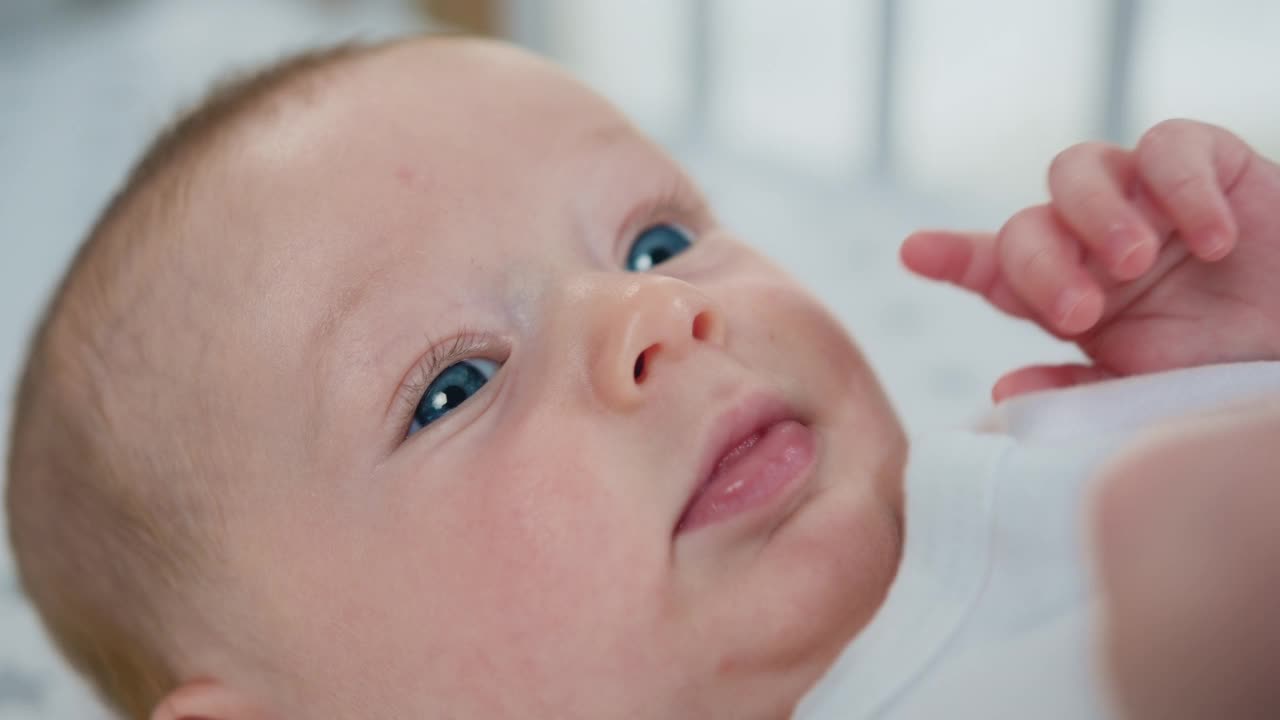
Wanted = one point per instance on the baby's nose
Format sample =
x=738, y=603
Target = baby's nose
x=652, y=324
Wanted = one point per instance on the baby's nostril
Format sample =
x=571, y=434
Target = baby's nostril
x=703, y=326
x=643, y=361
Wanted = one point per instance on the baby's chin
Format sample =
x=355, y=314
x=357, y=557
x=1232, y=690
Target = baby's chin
x=816, y=583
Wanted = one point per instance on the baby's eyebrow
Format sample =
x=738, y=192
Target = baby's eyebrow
x=606, y=136
x=347, y=303
x=332, y=341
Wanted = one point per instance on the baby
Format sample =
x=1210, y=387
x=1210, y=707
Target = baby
x=411, y=381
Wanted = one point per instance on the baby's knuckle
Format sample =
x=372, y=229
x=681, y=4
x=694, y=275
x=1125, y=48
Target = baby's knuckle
x=1061, y=164
x=1011, y=232
x=1066, y=165
x=1019, y=235
x=1096, y=200
x=1167, y=132
x=1186, y=187
x=1027, y=218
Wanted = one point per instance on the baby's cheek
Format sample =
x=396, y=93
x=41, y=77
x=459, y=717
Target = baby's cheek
x=777, y=326
x=553, y=582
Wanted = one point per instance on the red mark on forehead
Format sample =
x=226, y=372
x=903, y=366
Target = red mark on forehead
x=406, y=175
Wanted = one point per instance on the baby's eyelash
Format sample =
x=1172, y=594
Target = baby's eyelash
x=466, y=343
x=676, y=200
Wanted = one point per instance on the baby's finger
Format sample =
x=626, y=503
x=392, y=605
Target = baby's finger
x=967, y=259
x=1188, y=167
x=1046, y=377
x=1043, y=263
x=1087, y=183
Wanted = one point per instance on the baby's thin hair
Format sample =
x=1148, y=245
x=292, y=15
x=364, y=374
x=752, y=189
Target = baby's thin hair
x=113, y=514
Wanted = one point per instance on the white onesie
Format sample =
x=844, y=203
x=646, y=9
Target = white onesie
x=990, y=613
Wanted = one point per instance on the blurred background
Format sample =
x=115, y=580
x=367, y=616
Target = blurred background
x=823, y=130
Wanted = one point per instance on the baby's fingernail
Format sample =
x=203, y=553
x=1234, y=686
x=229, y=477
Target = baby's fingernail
x=1125, y=246
x=1214, y=245
x=1074, y=310
x=1068, y=301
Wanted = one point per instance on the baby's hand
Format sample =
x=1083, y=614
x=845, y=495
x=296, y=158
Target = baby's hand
x=1160, y=257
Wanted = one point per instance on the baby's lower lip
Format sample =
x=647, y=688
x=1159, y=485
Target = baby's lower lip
x=753, y=474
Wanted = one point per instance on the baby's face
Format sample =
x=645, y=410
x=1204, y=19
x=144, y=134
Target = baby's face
x=543, y=439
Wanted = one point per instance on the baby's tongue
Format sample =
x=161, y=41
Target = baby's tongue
x=751, y=473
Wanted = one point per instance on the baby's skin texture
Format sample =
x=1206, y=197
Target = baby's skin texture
x=1154, y=258
x=519, y=555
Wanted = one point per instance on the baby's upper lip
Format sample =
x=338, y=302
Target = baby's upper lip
x=752, y=414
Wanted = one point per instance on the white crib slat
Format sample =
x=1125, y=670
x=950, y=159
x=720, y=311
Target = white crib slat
x=1122, y=32
x=886, y=91
x=701, y=72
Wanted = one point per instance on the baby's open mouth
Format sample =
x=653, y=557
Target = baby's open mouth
x=756, y=451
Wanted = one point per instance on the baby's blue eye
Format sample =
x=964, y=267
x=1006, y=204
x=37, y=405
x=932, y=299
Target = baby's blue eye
x=657, y=245
x=450, y=389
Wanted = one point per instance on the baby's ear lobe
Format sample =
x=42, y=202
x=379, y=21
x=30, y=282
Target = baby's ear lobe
x=208, y=700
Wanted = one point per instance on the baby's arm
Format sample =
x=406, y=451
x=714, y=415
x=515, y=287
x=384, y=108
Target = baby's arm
x=1153, y=258
x=1187, y=532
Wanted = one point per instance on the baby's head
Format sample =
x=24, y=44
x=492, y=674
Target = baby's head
x=412, y=381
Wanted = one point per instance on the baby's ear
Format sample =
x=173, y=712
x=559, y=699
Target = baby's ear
x=208, y=700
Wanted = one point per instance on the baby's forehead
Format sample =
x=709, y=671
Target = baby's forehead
x=455, y=130
x=467, y=131
x=459, y=94
x=454, y=121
